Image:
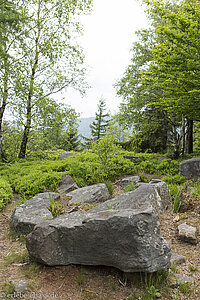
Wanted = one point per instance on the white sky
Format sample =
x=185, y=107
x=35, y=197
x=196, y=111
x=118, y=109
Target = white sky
x=108, y=36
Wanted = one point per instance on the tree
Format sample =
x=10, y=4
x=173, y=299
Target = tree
x=56, y=126
x=175, y=66
x=51, y=59
x=98, y=127
x=150, y=125
x=11, y=19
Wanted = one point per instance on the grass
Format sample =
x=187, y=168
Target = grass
x=80, y=279
x=17, y=257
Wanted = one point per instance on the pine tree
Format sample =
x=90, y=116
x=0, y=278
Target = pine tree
x=98, y=127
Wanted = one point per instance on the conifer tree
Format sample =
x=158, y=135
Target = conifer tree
x=98, y=127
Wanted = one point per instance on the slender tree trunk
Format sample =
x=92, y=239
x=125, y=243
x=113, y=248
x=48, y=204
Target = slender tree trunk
x=3, y=107
x=189, y=137
x=22, y=152
x=183, y=136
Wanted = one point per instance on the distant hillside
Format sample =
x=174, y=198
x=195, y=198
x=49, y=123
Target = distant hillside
x=84, y=128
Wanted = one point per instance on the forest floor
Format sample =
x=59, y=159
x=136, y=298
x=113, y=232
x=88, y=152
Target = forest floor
x=95, y=283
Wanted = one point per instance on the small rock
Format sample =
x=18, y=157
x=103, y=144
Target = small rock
x=179, y=279
x=20, y=286
x=177, y=259
x=187, y=233
x=67, y=185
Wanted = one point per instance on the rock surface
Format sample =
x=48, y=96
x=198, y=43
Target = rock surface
x=90, y=194
x=67, y=185
x=190, y=168
x=32, y=212
x=187, y=233
x=127, y=239
x=146, y=195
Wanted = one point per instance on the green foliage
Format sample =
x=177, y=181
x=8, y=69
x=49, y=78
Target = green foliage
x=196, y=189
x=110, y=186
x=17, y=257
x=98, y=127
x=130, y=187
x=80, y=279
x=56, y=208
x=174, y=179
x=105, y=149
x=6, y=193
x=175, y=193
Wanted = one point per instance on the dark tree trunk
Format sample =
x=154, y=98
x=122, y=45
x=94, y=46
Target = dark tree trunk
x=189, y=137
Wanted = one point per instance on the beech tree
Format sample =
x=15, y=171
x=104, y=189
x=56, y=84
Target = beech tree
x=175, y=66
x=51, y=58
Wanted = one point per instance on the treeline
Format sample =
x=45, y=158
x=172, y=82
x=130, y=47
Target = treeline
x=39, y=57
x=161, y=87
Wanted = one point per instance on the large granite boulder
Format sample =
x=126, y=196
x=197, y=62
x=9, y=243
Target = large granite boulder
x=128, y=239
x=145, y=195
x=190, y=168
x=32, y=212
x=67, y=185
x=90, y=194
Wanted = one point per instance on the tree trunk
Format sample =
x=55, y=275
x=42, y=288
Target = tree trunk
x=183, y=136
x=189, y=137
x=3, y=107
x=22, y=152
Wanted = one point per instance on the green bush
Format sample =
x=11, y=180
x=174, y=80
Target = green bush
x=37, y=182
x=174, y=179
x=6, y=193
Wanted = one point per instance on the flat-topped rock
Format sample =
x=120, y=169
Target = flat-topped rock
x=34, y=211
x=90, y=194
x=127, y=239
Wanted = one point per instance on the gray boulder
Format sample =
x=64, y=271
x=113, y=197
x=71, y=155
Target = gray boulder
x=190, y=168
x=64, y=155
x=90, y=194
x=146, y=195
x=32, y=212
x=67, y=185
x=127, y=239
x=187, y=233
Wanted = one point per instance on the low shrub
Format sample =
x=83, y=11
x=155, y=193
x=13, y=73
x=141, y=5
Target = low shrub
x=174, y=179
x=6, y=193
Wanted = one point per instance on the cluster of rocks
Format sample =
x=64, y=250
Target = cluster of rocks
x=122, y=232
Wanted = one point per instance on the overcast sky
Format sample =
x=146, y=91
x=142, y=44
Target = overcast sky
x=108, y=36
